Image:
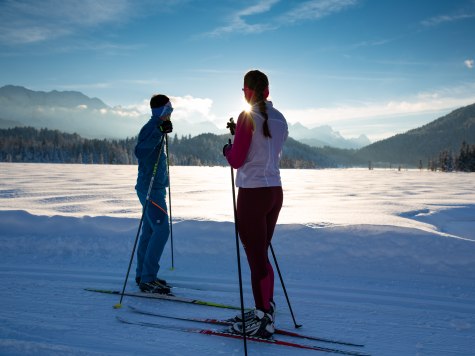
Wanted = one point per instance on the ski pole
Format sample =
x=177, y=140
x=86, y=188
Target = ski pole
x=283, y=287
x=155, y=168
x=238, y=261
x=170, y=202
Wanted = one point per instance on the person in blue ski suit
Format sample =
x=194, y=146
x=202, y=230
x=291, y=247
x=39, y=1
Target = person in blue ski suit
x=155, y=227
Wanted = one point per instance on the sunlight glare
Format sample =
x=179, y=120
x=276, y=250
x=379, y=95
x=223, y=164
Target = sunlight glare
x=246, y=106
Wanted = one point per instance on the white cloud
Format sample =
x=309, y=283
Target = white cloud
x=30, y=34
x=191, y=108
x=316, y=9
x=437, y=20
x=384, y=118
x=125, y=112
x=238, y=23
x=30, y=21
x=185, y=107
x=143, y=107
x=308, y=10
x=469, y=63
x=384, y=110
x=261, y=7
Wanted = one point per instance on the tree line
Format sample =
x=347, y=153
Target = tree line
x=464, y=161
x=27, y=144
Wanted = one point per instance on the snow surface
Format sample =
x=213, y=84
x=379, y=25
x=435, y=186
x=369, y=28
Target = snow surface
x=382, y=257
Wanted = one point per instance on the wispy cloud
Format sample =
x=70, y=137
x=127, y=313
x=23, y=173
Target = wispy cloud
x=315, y=9
x=351, y=116
x=469, y=63
x=371, y=43
x=308, y=10
x=31, y=21
x=238, y=23
x=437, y=20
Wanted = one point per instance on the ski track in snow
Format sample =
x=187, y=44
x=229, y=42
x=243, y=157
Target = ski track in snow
x=401, y=280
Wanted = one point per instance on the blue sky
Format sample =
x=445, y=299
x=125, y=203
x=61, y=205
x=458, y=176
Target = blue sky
x=369, y=67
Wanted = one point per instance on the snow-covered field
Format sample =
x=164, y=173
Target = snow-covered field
x=382, y=257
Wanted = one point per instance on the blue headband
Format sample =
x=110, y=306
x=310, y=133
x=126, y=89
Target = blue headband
x=162, y=110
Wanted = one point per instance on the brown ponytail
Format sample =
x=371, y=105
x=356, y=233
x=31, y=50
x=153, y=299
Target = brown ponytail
x=263, y=111
x=258, y=82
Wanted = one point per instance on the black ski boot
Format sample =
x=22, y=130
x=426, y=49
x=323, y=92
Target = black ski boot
x=261, y=325
x=154, y=287
x=159, y=280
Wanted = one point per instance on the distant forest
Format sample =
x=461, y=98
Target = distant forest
x=464, y=161
x=27, y=144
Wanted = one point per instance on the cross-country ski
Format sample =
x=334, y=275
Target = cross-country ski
x=226, y=334
x=227, y=322
x=170, y=297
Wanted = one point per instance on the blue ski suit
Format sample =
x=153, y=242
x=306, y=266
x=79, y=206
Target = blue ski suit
x=155, y=227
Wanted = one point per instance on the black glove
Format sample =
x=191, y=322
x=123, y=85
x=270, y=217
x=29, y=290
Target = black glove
x=226, y=148
x=231, y=125
x=166, y=126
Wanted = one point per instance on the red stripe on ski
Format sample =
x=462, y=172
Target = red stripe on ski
x=266, y=341
x=226, y=322
x=236, y=336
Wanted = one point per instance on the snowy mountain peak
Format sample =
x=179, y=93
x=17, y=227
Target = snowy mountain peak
x=325, y=136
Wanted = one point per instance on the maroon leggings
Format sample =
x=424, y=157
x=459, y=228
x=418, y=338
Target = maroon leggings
x=257, y=213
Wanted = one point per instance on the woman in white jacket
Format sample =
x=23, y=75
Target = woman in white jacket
x=255, y=153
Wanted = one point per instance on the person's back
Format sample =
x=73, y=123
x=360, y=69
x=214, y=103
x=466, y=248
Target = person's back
x=255, y=153
x=261, y=167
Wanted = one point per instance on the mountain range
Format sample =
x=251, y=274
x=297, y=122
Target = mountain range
x=445, y=134
x=322, y=136
x=74, y=112
x=67, y=111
